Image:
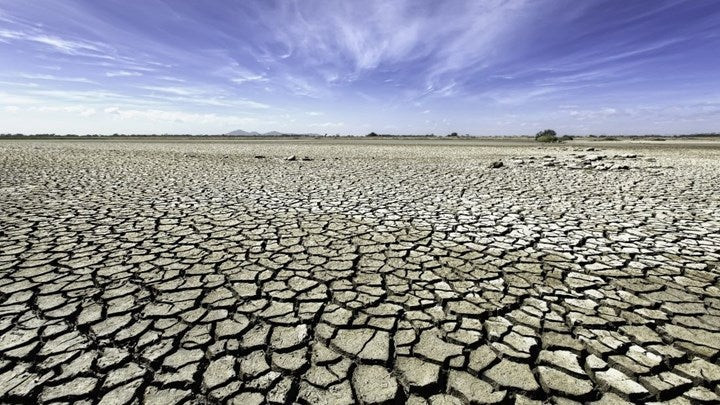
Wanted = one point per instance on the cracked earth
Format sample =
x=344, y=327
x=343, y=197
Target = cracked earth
x=372, y=271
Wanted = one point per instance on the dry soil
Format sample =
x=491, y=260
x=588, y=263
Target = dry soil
x=375, y=270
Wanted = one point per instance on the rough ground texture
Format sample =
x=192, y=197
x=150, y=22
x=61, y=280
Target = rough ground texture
x=379, y=271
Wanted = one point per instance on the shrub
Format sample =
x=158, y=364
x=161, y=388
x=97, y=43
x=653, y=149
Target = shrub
x=566, y=138
x=372, y=134
x=546, y=138
x=454, y=134
x=547, y=135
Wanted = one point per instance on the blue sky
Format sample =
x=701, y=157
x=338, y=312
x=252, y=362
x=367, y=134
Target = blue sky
x=351, y=67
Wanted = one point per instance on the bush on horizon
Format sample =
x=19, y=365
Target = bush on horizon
x=547, y=135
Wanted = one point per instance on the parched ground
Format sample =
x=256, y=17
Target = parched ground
x=151, y=271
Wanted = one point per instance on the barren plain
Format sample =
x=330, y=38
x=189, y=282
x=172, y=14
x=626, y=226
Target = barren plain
x=374, y=271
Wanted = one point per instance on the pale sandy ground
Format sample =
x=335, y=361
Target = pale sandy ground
x=381, y=270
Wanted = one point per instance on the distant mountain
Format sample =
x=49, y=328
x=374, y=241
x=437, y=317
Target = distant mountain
x=240, y=132
x=243, y=133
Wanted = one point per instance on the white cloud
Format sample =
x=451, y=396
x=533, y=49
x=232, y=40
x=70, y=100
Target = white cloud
x=333, y=33
x=351, y=38
x=176, y=116
x=122, y=73
x=330, y=125
x=75, y=109
x=194, y=95
x=84, y=96
x=57, y=78
x=88, y=112
x=8, y=34
x=179, y=91
x=70, y=47
x=236, y=73
x=520, y=95
x=594, y=114
x=19, y=84
x=22, y=99
x=300, y=86
x=248, y=78
x=171, y=79
x=63, y=45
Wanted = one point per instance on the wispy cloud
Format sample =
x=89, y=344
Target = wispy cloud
x=330, y=125
x=180, y=91
x=82, y=111
x=203, y=96
x=176, y=116
x=67, y=46
x=172, y=79
x=239, y=75
x=56, y=78
x=248, y=78
x=16, y=99
x=122, y=73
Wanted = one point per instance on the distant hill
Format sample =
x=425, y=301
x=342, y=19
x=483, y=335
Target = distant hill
x=240, y=132
x=243, y=133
